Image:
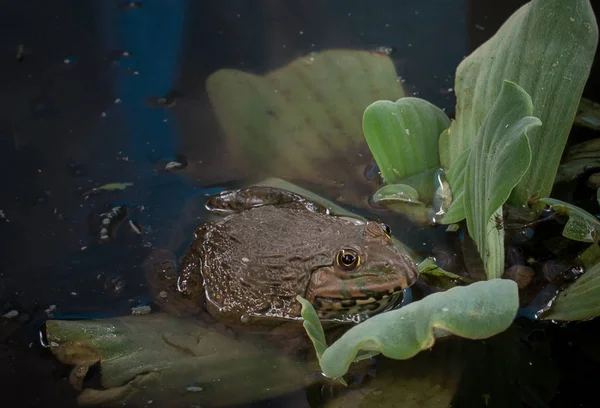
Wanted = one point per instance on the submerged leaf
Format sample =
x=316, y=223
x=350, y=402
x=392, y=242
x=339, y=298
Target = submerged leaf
x=580, y=301
x=153, y=357
x=581, y=226
x=304, y=120
x=496, y=163
x=578, y=159
x=547, y=47
x=588, y=114
x=403, y=136
x=477, y=311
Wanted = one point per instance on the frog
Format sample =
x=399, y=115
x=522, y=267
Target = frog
x=271, y=245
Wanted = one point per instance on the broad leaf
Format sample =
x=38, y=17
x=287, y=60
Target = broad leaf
x=496, y=163
x=165, y=358
x=477, y=311
x=304, y=120
x=581, y=226
x=403, y=136
x=580, y=301
x=547, y=47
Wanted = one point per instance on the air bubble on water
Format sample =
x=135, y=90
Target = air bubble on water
x=245, y=318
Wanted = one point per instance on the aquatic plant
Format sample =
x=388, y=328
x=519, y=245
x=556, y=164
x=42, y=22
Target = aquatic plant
x=517, y=97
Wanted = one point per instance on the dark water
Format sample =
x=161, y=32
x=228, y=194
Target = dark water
x=81, y=107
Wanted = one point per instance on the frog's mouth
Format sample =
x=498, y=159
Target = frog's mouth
x=356, y=309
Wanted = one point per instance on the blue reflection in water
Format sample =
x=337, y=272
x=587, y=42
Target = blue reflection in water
x=149, y=40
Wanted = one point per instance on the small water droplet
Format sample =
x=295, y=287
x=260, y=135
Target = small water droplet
x=245, y=318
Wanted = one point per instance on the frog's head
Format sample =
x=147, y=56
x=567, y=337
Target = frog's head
x=366, y=275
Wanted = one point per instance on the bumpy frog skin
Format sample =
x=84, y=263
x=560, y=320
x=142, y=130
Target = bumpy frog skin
x=252, y=263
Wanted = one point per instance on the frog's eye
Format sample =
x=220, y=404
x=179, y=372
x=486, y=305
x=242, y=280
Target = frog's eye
x=348, y=259
x=386, y=228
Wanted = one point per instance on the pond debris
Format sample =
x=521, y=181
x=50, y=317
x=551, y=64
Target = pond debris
x=521, y=274
x=168, y=100
x=141, y=310
x=115, y=284
x=384, y=49
x=20, y=52
x=593, y=181
x=110, y=221
x=11, y=314
x=136, y=227
x=174, y=165
x=116, y=55
x=178, y=162
x=107, y=187
x=50, y=310
x=130, y=5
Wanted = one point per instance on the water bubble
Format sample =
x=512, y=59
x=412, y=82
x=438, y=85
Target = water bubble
x=245, y=318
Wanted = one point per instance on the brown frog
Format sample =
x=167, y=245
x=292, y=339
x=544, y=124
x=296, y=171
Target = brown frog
x=272, y=245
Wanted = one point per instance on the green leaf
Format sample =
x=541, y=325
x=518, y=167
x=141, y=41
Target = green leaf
x=496, y=163
x=429, y=267
x=477, y=311
x=153, y=357
x=303, y=120
x=437, y=278
x=582, y=226
x=580, y=301
x=403, y=136
x=312, y=325
x=590, y=256
x=547, y=47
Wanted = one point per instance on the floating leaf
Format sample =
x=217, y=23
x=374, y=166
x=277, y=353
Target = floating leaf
x=547, y=47
x=477, y=311
x=495, y=165
x=580, y=301
x=403, y=136
x=114, y=186
x=429, y=267
x=581, y=226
